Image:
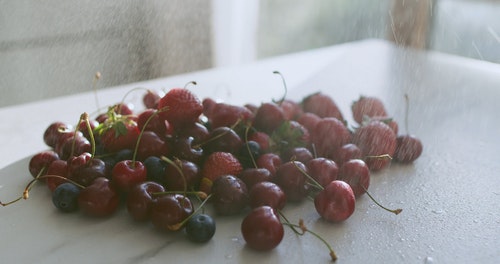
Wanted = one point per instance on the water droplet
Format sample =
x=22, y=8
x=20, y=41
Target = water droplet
x=228, y=256
x=234, y=239
x=401, y=239
x=438, y=211
x=475, y=221
x=428, y=260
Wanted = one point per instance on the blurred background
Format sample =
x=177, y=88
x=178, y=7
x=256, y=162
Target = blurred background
x=53, y=48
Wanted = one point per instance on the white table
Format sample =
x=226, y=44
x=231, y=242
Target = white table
x=450, y=196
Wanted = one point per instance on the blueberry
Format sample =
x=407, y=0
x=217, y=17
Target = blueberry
x=200, y=228
x=155, y=169
x=65, y=197
x=247, y=151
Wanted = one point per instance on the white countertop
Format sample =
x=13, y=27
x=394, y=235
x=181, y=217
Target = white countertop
x=450, y=196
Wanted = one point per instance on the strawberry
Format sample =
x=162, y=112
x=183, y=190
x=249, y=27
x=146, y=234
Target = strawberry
x=321, y=105
x=180, y=107
x=375, y=139
x=118, y=132
x=367, y=106
x=216, y=165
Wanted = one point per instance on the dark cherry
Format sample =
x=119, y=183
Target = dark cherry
x=59, y=168
x=54, y=131
x=140, y=199
x=346, y=152
x=267, y=193
x=170, y=210
x=41, y=161
x=151, y=145
x=123, y=109
x=154, y=123
x=251, y=176
x=357, y=174
x=290, y=177
x=99, y=199
x=323, y=170
x=336, y=202
x=84, y=169
x=269, y=161
x=128, y=173
x=188, y=180
x=74, y=146
x=223, y=139
x=262, y=139
x=196, y=130
x=262, y=229
x=229, y=195
x=183, y=148
x=301, y=154
x=151, y=99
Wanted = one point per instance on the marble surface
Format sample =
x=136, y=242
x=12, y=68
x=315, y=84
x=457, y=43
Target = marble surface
x=450, y=196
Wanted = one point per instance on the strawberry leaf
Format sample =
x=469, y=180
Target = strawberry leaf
x=120, y=129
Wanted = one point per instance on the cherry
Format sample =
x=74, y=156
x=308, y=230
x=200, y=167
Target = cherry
x=84, y=169
x=99, y=199
x=269, y=161
x=408, y=148
x=329, y=135
x=140, y=199
x=41, y=161
x=65, y=197
x=151, y=99
x=262, y=229
x=301, y=154
x=229, y=195
x=347, y=152
x=322, y=170
x=357, y=174
x=251, y=176
x=127, y=173
x=153, y=121
x=183, y=148
x=375, y=140
x=267, y=193
x=150, y=144
x=60, y=168
x=200, y=228
x=268, y=117
x=74, y=146
x=261, y=138
x=169, y=210
x=54, y=132
x=290, y=177
x=335, y=202
x=182, y=175
x=223, y=139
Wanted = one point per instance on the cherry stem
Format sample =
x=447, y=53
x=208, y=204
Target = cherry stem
x=303, y=230
x=394, y=211
x=177, y=166
x=248, y=147
x=383, y=156
x=177, y=226
x=284, y=85
x=314, y=183
x=77, y=127
x=85, y=118
x=97, y=76
x=190, y=83
x=30, y=184
x=127, y=94
x=136, y=149
x=407, y=109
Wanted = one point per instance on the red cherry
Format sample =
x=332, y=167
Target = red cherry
x=336, y=202
x=408, y=148
x=267, y=193
x=53, y=133
x=356, y=173
x=99, y=199
x=140, y=199
x=323, y=170
x=170, y=210
x=41, y=161
x=262, y=229
x=290, y=177
x=127, y=173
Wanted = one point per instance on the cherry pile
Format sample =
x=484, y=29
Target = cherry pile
x=180, y=153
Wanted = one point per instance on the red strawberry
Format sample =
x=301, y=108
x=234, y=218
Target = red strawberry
x=118, y=132
x=367, y=106
x=218, y=164
x=321, y=105
x=375, y=139
x=180, y=107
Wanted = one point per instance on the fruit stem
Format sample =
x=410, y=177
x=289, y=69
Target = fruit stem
x=190, y=83
x=407, y=109
x=136, y=149
x=394, y=211
x=314, y=183
x=284, y=85
x=304, y=229
x=248, y=147
x=85, y=118
x=97, y=76
x=199, y=145
x=178, y=168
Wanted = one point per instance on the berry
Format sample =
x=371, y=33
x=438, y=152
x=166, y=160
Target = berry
x=356, y=173
x=216, y=165
x=336, y=202
x=229, y=195
x=367, y=106
x=170, y=210
x=267, y=193
x=329, y=135
x=375, y=140
x=100, y=199
x=140, y=199
x=322, y=105
x=65, y=197
x=200, y=228
x=180, y=107
x=408, y=148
